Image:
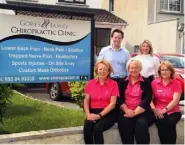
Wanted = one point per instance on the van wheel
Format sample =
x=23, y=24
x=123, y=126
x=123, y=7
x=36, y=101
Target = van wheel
x=55, y=91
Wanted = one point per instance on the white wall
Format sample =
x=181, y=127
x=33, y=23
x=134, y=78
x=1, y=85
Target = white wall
x=51, y=2
x=164, y=36
x=3, y=11
x=94, y=3
x=91, y=3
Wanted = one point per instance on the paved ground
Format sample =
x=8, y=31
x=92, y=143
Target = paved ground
x=41, y=94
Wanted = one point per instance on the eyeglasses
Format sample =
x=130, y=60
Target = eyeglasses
x=164, y=70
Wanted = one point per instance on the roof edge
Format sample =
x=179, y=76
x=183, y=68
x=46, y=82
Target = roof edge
x=45, y=10
x=108, y=23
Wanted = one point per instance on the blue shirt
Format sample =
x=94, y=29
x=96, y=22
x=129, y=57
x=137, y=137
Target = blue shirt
x=117, y=58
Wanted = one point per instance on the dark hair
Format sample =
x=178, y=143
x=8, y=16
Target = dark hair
x=118, y=31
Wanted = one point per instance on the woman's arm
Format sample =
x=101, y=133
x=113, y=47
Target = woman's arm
x=124, y=107
x=138, y=110
x=86, y=105
x=146, y=96
x=152, y=105
x=110, y=107
x=176, y=97
x=155, y=110
x=159, y=113
x=173, y=103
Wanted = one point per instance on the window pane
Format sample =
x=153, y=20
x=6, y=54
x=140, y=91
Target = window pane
x=161, y=1
x=161, y=4
x=177, y=2
x=80, y=1
x=178, y=7
x=164, y=4
x=102, y=38
x=174, y=5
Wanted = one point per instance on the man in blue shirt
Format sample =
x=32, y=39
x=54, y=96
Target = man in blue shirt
x=116, y=55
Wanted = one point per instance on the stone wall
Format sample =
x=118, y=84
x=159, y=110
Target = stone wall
x=74, y=135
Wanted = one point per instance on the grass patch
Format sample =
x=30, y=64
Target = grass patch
x=26, y=114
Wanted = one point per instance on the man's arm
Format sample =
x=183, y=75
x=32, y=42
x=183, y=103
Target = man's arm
x=102, y=54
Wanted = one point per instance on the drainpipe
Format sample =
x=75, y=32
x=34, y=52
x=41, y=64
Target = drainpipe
x=182, y=44
x=155, y=10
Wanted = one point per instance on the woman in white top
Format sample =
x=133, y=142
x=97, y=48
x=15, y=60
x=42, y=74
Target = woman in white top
x=149, y=61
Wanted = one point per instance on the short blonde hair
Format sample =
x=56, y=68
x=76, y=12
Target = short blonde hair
x=150, y=46
x=169, y=66
x=106, y=63
x=137, y=62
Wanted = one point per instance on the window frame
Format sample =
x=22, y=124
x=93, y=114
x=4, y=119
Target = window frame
x=27, y=1
x=171, y=11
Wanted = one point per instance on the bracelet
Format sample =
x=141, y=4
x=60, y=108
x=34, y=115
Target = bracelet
x=100, y=115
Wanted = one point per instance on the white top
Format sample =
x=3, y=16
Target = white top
x=149, y=65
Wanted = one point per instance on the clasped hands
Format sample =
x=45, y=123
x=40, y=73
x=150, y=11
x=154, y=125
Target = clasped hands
x=130, y=113
x=159, y=113
x=92, y=116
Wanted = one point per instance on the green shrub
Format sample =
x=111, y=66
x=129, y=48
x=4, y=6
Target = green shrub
x=77, y=92
x=5, y=94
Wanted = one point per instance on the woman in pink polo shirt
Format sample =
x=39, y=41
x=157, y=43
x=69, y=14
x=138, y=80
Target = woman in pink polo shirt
x=100, y=99
x=135, y=98
x=166, y=95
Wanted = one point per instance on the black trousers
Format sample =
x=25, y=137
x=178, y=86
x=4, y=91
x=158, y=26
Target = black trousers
x=137, y=127
x=167, y=128
x=151, y=78
x=117, y=107
x=93, y=131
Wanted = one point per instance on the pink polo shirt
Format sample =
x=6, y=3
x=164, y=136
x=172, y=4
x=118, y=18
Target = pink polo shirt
x=133, y=94
x=163, y=95
x=100, y=95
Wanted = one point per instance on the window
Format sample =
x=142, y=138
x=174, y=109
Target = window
x=102, y=38
x=28, y=1
x=111, y=5
x=81, y=1
x=171, y=6
x=73, y=1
